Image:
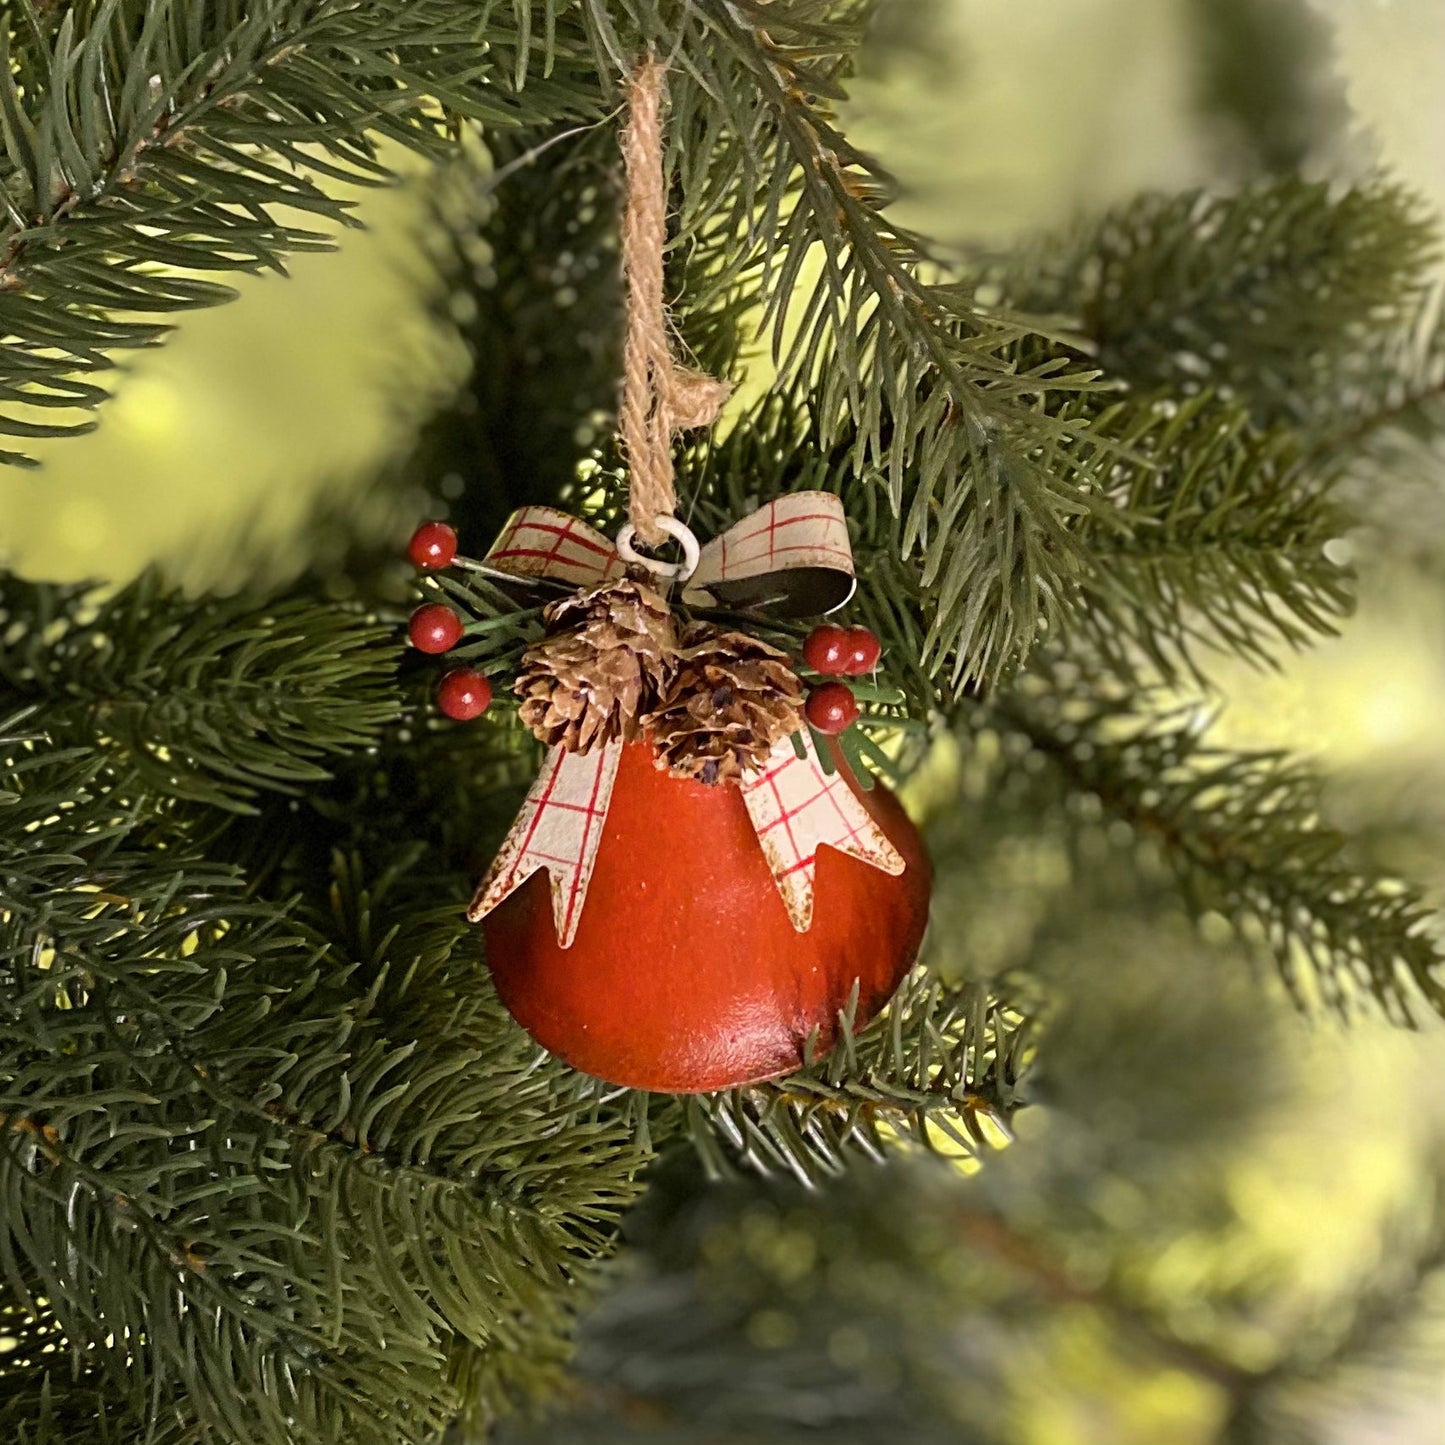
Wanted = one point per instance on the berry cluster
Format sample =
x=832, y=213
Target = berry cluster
x=463, y=693
x=836, y=651
x=841, y=651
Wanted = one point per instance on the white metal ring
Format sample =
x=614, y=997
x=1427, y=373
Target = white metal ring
x=679, y=571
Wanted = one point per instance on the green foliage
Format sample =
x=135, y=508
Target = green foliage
x=150, y=144
x=200, y=1080
x=1260, y=294
x=1213, y=537
x=940, y=1070
x=1243, y=834
x=231, y=1134
x=208, y=701
x=1220, y=539
x=926, y=386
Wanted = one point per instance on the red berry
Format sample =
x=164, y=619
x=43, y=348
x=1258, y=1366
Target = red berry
x=432, y=545
x=434, y=627
x=826, y=650
x=861, y=652
x=464, y=694
x=832, y=708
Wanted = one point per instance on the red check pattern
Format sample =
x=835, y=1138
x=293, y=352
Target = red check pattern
x=559, y=829
x=797, y=808
x=543, y=542
x=803, y=529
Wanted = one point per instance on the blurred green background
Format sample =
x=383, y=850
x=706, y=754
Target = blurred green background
x=220, y=444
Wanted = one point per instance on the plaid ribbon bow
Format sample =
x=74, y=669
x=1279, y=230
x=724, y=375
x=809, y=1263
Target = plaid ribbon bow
x=791, y=557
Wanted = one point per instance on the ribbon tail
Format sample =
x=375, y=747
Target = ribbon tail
x=796, y=808
x=560, y=829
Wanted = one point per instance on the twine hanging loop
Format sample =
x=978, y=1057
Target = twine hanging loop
x=659, y=397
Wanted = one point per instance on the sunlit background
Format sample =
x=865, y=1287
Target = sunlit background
x=218, y=444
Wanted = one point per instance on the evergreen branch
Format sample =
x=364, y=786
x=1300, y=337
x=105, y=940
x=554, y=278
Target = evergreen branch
x=44, y=1409
x=928, y=629
x=926, y=381
x=1242, y=833
x=40, y=786
x=200, y=1167
x=939, y=1069
x=1209, y=535
x=210, y=701
x=156, y=1282
x=1260, y=294
x=147, y=141
x=941, y=412
x=1218, y=540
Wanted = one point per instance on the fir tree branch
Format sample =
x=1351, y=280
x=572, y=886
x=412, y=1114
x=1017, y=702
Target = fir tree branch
x=1261, y=295
x=209, y=701
x=1218, y=541
x=1210, y=536
x=148, y=141
x=940, y=1069
x=202, y=1165
x=1242, y=833
x=941, y=413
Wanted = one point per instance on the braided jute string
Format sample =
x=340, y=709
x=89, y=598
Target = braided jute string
x=659, y=397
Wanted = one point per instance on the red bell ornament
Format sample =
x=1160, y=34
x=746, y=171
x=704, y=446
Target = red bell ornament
x=686, y=972
x=690, y=892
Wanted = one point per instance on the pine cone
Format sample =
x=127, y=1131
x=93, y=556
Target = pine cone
x=604, y=664
x=731, y=700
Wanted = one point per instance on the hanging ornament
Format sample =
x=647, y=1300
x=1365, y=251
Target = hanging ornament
x=698, y=889
x=692, y=888
x=718, y=933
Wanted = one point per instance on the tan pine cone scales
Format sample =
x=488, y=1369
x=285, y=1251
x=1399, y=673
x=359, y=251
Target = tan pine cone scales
x=732, y=699
x=604, y=664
